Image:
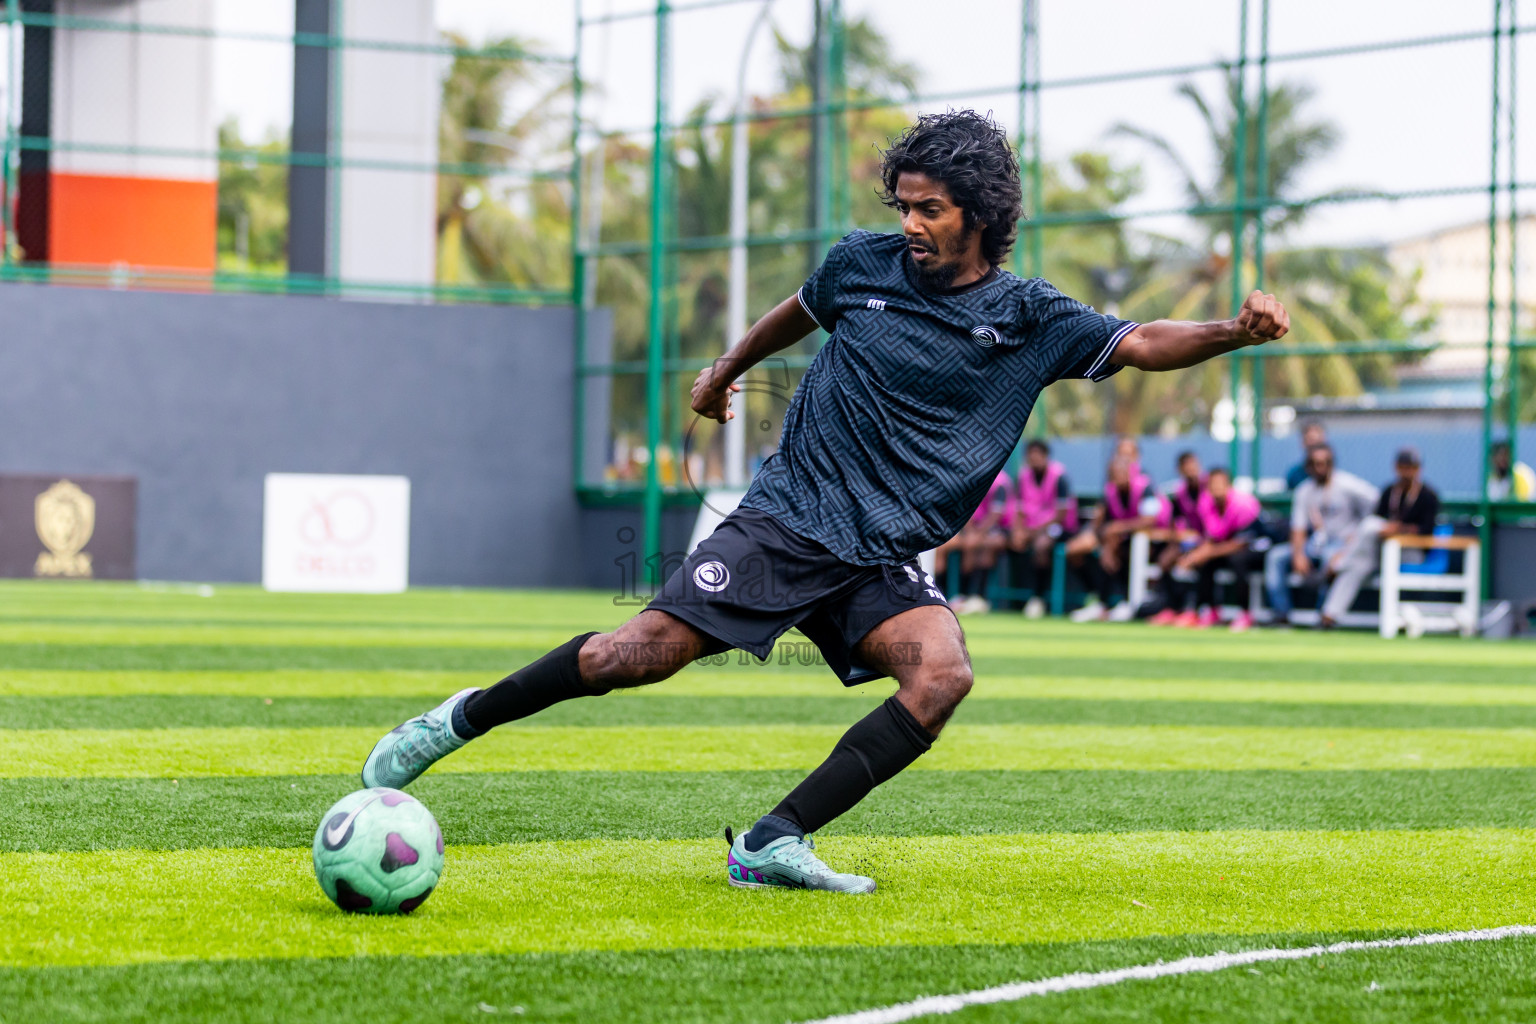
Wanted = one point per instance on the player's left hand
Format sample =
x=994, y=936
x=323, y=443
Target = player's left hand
x=1261, y=319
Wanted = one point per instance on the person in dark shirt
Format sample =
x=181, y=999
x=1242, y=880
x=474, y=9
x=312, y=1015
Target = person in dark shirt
x=1407, y=507
x=934, y=359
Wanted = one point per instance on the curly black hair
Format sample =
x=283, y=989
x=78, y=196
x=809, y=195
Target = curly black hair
x=971, y=155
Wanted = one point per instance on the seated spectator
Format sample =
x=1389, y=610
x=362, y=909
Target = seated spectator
x=1099, y=553
x=1044, y=512
x=1509, y=480
x=1408, y=507
x=1312, y=435
x=1228, y=530
x=1175, y=531
x=1129, y=449
x=1326, y=512
x=1184, y=495
x=979, y=543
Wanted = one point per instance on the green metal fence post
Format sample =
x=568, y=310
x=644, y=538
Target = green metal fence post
x=7, y=177
x=578, y=271
x=1036, y=167
x=657, y=325
x=1239, y=172
x=1260, y=207
x=1039, y=423
x=837, y=94
x=1512, y=355
x=1485, y=530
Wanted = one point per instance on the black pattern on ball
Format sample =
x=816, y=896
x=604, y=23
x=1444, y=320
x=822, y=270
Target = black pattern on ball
x=406, y=906
x=348, y=898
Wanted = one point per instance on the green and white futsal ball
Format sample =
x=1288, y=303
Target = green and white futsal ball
x=378, y=851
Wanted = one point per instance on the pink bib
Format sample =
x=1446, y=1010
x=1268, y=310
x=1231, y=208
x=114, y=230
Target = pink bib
x=1223, y=524
x=1037, y=501
x=1117, y=508
x=1001, y=492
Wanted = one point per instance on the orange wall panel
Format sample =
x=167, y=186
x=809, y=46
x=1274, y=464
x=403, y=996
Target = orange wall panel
x=144, y=222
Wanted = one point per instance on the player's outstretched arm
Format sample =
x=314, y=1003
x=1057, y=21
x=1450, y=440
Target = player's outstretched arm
x=1175, y=344
x=780, y=327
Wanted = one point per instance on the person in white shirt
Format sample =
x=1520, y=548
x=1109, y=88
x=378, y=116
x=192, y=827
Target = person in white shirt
x=1326, y=511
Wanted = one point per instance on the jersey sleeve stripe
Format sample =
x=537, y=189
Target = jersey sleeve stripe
x=1095, y=372
x=806, y=306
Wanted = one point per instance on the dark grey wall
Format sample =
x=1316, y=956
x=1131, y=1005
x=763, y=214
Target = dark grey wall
x=199, y=396
x=1514, y=564
x=611, y=542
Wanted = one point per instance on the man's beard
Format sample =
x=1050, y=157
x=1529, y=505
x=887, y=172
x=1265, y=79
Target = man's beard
x=941, y=276
x=938, y=277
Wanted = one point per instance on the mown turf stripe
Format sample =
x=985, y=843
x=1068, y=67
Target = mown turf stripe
x=179, y=753
x=163, y=711
x=1006, y=638
x=85, y=814
x=428, y=686
x=1410, y=986
x=491, y=662
x=139, y=906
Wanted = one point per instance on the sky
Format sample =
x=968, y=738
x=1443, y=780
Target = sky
x=1409, y=119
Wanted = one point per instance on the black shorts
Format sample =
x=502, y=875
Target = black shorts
x=752, y=580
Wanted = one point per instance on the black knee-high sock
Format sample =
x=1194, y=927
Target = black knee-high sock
x=532, y=688
x=873, y=750
x=976, y=582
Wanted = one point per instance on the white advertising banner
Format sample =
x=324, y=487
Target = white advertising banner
x=336, y=533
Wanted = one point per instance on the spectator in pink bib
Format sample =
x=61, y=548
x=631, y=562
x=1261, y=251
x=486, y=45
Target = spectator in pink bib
x=1044, y=513
x=1098, y=554
x=1228, y=521
x=980, y=543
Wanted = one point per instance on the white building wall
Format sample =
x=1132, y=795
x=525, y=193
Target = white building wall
x=1453, y=263
x=140, y=89
x=387, y=110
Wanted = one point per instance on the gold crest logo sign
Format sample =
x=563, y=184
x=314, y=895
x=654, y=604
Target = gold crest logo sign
x=66, y=518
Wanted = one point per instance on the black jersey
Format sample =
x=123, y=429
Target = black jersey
x=914, y=404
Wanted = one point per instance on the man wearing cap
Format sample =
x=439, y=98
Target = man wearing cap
x=1407, y=507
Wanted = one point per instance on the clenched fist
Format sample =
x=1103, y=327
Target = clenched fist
x=1261, y=319
x=712, y=393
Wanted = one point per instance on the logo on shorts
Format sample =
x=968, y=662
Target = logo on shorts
x=986, y=336
x=712, y=576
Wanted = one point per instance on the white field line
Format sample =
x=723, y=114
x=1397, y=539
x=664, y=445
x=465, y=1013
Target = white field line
x=1189, y=965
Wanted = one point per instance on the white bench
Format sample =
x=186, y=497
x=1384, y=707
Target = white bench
x=1397, y=613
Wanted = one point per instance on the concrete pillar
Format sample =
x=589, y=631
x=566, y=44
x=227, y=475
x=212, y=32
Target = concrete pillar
x=388, y=112
x=309, y=184
x=124, y=89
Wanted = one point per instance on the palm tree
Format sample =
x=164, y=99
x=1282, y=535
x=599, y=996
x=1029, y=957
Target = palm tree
x=480, y=238
x=1333, y=294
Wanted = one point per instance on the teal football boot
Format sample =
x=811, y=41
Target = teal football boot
x=786, y=863
x=411, y=748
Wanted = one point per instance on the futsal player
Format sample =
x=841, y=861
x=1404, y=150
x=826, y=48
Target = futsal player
x=900, y=425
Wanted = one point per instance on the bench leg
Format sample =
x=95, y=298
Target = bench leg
x=1391, y=592
x=1059, y=579
x=1141, y=548
x=1472, y=597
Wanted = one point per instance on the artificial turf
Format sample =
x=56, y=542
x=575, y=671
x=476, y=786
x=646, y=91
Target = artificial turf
x=1110, y=796
x=521, y=807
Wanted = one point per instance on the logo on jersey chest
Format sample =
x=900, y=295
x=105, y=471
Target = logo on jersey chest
x=986, y=336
